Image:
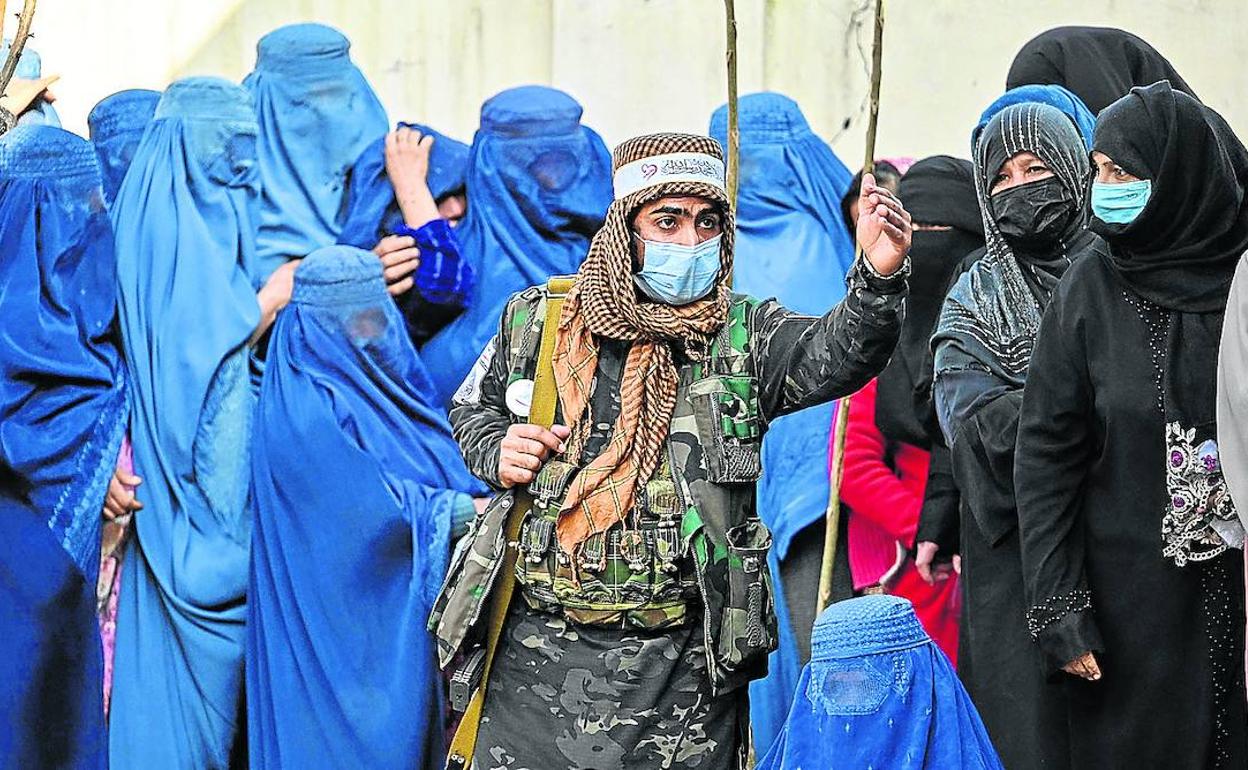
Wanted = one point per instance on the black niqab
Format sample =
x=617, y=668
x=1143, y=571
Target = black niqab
x=940, y=191
x=1099, y=64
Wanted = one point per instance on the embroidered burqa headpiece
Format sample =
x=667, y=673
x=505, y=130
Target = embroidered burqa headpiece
x=879, y=693
x=117, y=124
x=604, y=302
x=317, y=113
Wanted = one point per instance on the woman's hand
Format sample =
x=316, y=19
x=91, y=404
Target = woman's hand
x=931, y=572
x=407, y=167
x=884, y=229
x=274, y=296
x=399, y=260
x=1084, y=666
x=524, y=449
x=22, y=93
x=120, y=500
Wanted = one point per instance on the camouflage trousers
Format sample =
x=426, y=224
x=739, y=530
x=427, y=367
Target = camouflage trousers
x=564, y=695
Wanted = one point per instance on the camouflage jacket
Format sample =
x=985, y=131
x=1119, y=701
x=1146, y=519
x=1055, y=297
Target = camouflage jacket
x=766, y=364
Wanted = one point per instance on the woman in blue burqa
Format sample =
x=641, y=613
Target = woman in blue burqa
x=791, y=245
x=317, y=113
x=340, y=670
x=539, y=184
x=117, y=124
x=878, y=692
x=62, y=416
x=185, y=225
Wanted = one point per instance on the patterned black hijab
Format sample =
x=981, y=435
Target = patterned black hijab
x=993, y=311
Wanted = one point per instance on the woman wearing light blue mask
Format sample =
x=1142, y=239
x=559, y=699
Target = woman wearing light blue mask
x=1130, y=542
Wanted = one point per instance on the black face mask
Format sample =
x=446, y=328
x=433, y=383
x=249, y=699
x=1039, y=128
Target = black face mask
x=1037, y=213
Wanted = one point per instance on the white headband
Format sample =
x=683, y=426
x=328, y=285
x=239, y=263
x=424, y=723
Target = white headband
x=673, y=167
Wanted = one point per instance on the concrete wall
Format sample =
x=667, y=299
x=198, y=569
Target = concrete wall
x=643, y=65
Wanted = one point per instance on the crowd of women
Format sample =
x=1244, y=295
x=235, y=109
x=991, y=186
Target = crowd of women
x=234, y=320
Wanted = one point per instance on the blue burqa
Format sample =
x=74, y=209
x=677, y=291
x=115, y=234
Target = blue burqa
x=317, y=113
x=1054, y=96
x=879, y=693
x=539, y=184
x=372, y=211
x=117, y=124
x=355, y=476
x=791, y=245
x=62, y=417
x=186, y=251
x=30, y=67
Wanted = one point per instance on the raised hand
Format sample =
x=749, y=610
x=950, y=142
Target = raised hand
x=883, y=227
x=407, y=167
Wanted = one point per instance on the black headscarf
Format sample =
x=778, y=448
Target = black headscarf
x=1176, y=261
x=1181, y=251
x=1100, y=64
x=940, y=191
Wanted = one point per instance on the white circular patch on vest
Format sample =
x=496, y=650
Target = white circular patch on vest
x=520, y=397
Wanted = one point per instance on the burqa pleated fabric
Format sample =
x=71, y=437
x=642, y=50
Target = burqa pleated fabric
x=372, y=211
x=340, y=670
x=1130, y=544
x=185, y=228
x=1099, y=64
x=317, y=113
x=117, y=124
x=30, y=67
x=539, y=184
x=62, y=416
x=791, y=245
x=878, y=692
x=983, y=343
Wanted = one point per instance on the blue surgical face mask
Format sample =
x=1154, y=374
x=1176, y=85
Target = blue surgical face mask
x=1120, y=204
x=677, y=275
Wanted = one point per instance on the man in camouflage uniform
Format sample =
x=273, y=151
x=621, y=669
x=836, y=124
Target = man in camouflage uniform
x=643, y=600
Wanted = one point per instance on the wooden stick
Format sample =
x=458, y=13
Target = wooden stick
x=19, y=42
x=842, y=411
x=733, y=150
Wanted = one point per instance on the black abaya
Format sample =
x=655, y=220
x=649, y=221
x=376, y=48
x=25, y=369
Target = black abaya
x=1091, y=494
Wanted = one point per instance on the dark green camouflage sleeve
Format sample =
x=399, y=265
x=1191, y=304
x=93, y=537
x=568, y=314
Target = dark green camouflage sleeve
x=803, y=361
x=479, y=413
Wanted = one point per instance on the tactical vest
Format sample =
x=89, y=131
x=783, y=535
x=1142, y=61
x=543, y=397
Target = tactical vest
x=713, y=456
x=639, y=572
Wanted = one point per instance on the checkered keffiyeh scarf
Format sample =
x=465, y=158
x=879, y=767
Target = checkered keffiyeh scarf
x=604, y=302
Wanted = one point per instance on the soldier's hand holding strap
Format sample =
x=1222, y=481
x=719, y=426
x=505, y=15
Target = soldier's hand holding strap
x=524, y=449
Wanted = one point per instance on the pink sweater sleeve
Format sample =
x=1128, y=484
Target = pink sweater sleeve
x=870, y=488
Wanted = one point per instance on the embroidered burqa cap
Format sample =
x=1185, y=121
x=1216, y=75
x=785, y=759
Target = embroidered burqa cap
x=879, y=693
